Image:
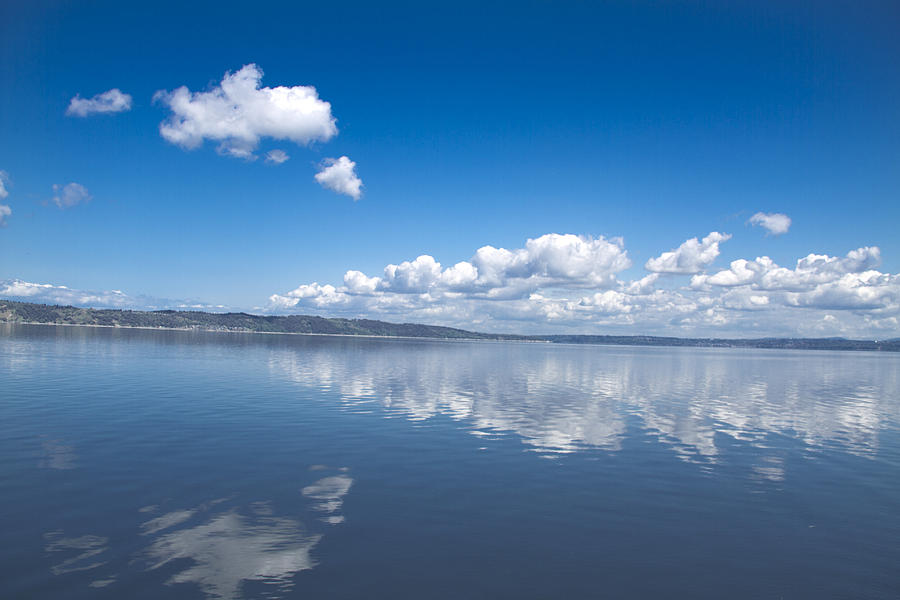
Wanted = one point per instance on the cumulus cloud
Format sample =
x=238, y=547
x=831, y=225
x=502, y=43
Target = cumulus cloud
x=277, y=157
x=774, y=223
x=339, y=175
x=818, y=281
x=690, y=257
x=112, y=101
x=492, y=274
x=552, y=260
x=811, y=271
x=571, y=283
x=556, y=259
x=69, y=195
x=5, y=211
x=237, y=113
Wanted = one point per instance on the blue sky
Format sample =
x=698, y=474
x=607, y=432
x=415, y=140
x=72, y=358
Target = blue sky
x=624, y=128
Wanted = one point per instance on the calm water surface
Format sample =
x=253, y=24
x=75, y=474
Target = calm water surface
x=160, y=464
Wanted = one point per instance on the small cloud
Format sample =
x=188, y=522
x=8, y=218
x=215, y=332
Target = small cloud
x=5, y=210
x=112, y=101
x=775, y=223
x=339, y=175
x=237, y=113
x=277, y=157
x=69, y=195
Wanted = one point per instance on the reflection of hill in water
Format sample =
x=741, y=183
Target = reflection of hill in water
x=561, y=399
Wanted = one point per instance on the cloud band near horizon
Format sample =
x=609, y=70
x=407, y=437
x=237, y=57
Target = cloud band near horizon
x=569, y=282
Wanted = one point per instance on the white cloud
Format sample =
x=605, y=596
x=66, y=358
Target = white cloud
x=339, y=175
x=238, y=113
x=357, y=282
x=690, y=257
x=811, y=271
x=552, y=260
x=818, y=281
x=643, y=285
x=112, y=101
x=277, y=156
x=412, y=276
x=609, y=302
x=866, y=290
x=569, y=283
x=69, y=195
x=48, y=293
x=5, y=210
x=775, y=223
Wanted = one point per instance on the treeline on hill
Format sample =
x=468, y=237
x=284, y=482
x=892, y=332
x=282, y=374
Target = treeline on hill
x=25, y=312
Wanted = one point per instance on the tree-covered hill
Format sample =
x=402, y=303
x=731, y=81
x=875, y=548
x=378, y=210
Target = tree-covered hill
x=24, y=312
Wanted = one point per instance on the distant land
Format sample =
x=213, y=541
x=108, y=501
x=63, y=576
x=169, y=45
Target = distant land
x=26, y=312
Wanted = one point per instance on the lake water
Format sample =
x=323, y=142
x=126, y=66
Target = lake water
x=163, y=464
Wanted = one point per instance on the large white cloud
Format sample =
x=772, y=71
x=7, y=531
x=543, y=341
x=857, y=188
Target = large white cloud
x=818, y=281
x=339, y=175
x=815, y=269
x=112, y=101
x=690, y=257
x=581, y=261
x=570, y=283
x=774, y=223
x=238, y=113
x=69, y=195
x=552, y=260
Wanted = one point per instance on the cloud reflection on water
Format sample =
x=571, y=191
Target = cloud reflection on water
x=81, y=552
x=330, y=492
x=231, y=548
x=560, y=399
x=219, y=546
x=227, y=546
x=56, y=455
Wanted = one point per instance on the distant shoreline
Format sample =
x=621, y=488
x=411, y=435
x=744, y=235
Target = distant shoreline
x=27, y=313
x=250, y=331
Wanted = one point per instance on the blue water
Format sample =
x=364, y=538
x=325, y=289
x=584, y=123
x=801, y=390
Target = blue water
x=161, y=464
